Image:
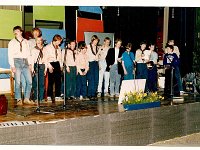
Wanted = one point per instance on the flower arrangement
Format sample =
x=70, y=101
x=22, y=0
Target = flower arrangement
x=141, y=97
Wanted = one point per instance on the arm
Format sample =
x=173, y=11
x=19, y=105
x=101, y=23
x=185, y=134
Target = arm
x=124, y=68
x=11, y=56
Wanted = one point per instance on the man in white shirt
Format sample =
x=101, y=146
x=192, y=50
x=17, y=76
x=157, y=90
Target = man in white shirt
x=20, y=62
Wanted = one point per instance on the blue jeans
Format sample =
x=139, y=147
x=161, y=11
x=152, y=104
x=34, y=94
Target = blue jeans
x=115, y=80
x=40, y=80
x=23, y=82
x=93, y=78
x=81, y=85
x=22, y=68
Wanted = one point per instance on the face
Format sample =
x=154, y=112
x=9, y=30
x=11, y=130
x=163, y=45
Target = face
x=169, y=50
x=57, y=43
x=36, y=34
x=95, y=41
x=128, y=49
x=39, y=41
x=107, y=43
x=118, y=44
x=17, y=33
x=84, y=50
x=171, y=43
x=72, y=45
x=152, y=47
x=143, y=46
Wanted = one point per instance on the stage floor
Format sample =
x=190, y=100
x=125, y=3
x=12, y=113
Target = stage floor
x=74, y=109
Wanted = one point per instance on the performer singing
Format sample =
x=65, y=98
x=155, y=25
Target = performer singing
x=39, y=58
x=68, y=58
x=54, y=59
x=141, y=58
x=19, y=58
x=103, y=74
x=93, y=73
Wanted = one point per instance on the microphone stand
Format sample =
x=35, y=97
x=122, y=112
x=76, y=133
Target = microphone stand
x=38, y=81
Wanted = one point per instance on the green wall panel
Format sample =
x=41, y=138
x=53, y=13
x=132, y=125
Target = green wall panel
x=49, y=13
x=9, y=19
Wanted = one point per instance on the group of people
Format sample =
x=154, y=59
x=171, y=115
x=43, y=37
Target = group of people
x=89, y=70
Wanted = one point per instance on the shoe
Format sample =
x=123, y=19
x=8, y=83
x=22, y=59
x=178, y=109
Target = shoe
x=86, y=98
x=81, y=97
x=48, y=98
x=19, y=102
x=183, y=93
x=106, y=94
x=111, y=95
x=58, y=99
x=27, y=101
x=99, y=94
x=117, y=95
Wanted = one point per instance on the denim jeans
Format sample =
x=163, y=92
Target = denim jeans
x=93, y=78
x=70, y=82
x=115, y=80
x=152, y=79
x=23, y=82
x=81, y=85
x=103, y=74
x=22, y=68
x=41, y=82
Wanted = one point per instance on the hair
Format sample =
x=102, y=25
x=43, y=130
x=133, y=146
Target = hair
x=57, y=37
x=170, y=41
x=81, y=45
x=107, y=38
x=118, y=40
x=143, y=42
x=171, y=47
x=38, y=30
x=94, y=37
x=72, y=41
x=129, y=45
x=18, y=28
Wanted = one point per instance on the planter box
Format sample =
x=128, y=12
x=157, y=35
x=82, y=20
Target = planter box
x=141, y=106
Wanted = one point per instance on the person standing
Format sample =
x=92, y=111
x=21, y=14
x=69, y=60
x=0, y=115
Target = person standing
x=103, y=74
x=93, y=73
x=152, y=69
x=40, y=68
x=142, y=57
x=68, y=58
x=113, y=60
x=82, y=65
x=54, y=65
x=176, y=49
x=19, y=58
x=128, y=59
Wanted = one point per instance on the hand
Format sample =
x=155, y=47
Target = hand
x=51, y=69
x=99, y=68
x=68, y=70
x=81, y=73
x=61, y=69
x=45, y=73
x=110, y=66
x=125, y=72
x=119, y=60
x=13, y=69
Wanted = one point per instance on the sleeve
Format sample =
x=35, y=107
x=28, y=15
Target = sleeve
x=10, y=54
x=107, y=57
x=29, y=57
x=133, y=56
x=176, y=61
x=77, y=63
x=123, y=57
x=60, y=58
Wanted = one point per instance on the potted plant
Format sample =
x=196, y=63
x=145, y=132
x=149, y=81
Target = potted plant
x=141, y=100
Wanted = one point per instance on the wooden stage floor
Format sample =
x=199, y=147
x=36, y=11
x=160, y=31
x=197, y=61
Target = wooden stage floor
x=74, y=109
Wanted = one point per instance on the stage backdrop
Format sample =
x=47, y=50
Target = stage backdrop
x=48, y=34
x=101, y=36
x=88, y=25
x=9, y=19
x=4, y=78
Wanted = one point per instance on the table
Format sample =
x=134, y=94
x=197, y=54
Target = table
x=8, y=71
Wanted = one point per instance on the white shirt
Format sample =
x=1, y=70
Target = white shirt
x=14, y=51
x=91, y=56
x=116, y=54
x=35, y=54
x=103, y=51
x=51, y=55
x=32, y=44
x=139, y=58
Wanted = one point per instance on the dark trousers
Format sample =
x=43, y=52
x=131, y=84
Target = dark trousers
x=39, y=80
x=142, y=73
x=54, y=77
x=93, y=78
x=152, y=79
x=81, y=85
x=70, y=82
